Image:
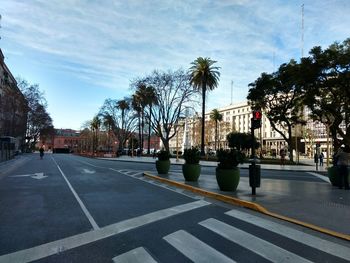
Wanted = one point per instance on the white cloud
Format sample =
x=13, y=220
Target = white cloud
x=109, y=43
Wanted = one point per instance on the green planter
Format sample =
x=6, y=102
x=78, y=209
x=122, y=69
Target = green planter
x=163, y=166
x=334, y=177
x=227, y=179
x=191, y=172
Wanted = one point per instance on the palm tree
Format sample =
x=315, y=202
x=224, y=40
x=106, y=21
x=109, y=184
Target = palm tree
x=141, y=93
x=95, y=126
x=150, y=99
x=136, y=105
x=216, y=116
x=204, y=76
x=108, y=123
x=123, y=105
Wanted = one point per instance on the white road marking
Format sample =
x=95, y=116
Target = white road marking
x=86, y=212
x=257, y=245
x=37, y=176
x=45, y=250
x=87, y=171
x=90, y=164
x=194, y=249
x=304, y=238
x=160, y=184
x=137, y=255
x=324, y=178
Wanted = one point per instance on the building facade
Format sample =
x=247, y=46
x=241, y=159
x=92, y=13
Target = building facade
x=13, y=109
x=236, y=118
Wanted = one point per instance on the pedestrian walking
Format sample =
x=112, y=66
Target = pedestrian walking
x=283, y=156
x=41, y=150
x=321, y=158
x=316, y=158
x=343, y=157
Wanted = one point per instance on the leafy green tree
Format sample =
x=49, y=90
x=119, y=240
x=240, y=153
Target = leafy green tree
x=326, y=82
x=204, y=77
x=150, y=100
x=95, y=128
x=144, y=97
x=241, y=141
x=279, y=95
x=108, y=124
x=136, y=105
x=123, y=118
x=38, y=119
x=216, y=116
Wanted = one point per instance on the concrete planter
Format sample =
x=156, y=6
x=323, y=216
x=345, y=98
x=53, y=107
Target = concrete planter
x=163, y=166
x=191, y=172
x=228, y=179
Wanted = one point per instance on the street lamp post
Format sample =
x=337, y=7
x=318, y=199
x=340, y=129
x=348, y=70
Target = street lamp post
x=177, y=143
x=327, y=145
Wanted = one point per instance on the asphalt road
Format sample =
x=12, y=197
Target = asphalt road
x=66, y=208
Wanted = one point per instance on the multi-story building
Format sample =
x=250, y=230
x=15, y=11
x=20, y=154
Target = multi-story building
x=13, y=109
x=60, y=139
x=236, y=118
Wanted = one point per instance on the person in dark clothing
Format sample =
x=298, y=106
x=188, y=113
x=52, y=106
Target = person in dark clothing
x=321, y=158
x=41, y=150
x=343, y=157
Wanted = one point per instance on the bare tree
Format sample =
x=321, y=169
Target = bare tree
x=173, y=93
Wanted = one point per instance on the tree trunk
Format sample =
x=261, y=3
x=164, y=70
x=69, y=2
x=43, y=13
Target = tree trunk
x=203, y=118
x=216, y=133
x=142, y=128
x=140, y=138
x=290, y=144
x=149, y=130
x=166, y=144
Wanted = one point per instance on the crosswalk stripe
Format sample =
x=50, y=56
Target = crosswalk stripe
x=137, y=255
x=304, y=238
x=48, y=249
x=251, y=242
x=194, y=249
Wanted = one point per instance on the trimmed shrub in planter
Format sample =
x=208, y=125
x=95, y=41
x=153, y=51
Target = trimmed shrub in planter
x=163, y=162
x=191, y=169
x=227, y=173
x=333, y=175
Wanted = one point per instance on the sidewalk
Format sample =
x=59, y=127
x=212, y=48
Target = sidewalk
x=313, y=202
x=301, y=167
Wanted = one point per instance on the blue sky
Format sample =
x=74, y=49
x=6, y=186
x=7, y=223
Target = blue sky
x=81, y=52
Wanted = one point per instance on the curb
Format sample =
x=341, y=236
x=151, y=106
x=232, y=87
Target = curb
x=249, y=205
x=206, y=165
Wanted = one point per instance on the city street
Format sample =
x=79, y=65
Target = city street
x=67, y=208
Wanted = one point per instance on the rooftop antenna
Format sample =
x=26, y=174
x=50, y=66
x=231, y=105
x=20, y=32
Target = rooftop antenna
x=302, y=30
x=231, y=90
